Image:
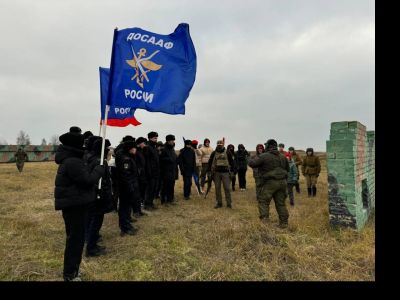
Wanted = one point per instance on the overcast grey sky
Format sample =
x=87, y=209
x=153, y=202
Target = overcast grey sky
x=265, y=69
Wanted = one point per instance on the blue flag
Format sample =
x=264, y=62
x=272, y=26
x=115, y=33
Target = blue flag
x=117, y=116
x=152, y=71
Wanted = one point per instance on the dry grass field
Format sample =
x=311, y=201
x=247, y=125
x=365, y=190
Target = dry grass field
x=188, y=241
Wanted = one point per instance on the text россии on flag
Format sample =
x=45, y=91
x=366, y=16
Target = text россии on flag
x=117, y=116
x=152, y=71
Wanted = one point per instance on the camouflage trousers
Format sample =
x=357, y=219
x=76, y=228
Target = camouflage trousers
x=20, y=166
x=276, y=189
x=225, y=179
x=311, y=180
x=259, y=185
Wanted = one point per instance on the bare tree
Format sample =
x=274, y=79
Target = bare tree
x=44, y=143
x=23, y=138
x=54, y=140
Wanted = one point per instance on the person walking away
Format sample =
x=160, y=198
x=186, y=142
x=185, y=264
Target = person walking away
x=298, y=162
x=187, y=166
x=257, y=178
x=241, y=157
x=273, y=167
x=20, y=158
x=231, y=149
x=169, y=170
x=292, y=177
x=220, y=164
x=74, y=191
x=311, y=168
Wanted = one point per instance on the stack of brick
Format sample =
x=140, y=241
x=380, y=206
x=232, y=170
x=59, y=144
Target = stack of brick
x=350, y=165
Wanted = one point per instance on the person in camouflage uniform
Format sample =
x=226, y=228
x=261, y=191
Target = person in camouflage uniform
x=256, y=175
x=20, y=158
x=311, y=168
x=273, y=168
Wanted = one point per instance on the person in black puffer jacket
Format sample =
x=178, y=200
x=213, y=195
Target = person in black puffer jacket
x=103, y=199
x=168, y=170
x=231, y=149
x=187, y=165
x=241, y=159
x=74, y=191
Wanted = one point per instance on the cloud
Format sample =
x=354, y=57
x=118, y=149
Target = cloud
x=266, y=69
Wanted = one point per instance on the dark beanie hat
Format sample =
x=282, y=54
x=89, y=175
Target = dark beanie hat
x=291, y=149
x=170, y=137
x=96, y=148
x=141, y=140
x=75, y=129
x=152, y=134
x=128, y=145
x=91, y=140
x=87, y=134
x=310, y=150
x=128, y=138
x=188, y=142
x=281, y=145
x=159, y=143
x=73, y=138
x=206, y=140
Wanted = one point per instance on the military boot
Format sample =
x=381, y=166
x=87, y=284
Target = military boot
x=314, y=191
x=309, y=192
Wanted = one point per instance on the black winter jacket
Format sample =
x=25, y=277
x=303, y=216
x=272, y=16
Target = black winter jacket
x=74, y=184
x=152, y=160
x=168, y=163
x=103, y=198
x=187, y=161
x=241, y=159
x=128, y=176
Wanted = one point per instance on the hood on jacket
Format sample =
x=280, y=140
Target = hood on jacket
x=64, y=152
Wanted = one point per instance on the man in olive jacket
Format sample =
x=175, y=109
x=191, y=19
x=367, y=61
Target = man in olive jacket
x=311, y=168
x=74, y=191
x=273, y=168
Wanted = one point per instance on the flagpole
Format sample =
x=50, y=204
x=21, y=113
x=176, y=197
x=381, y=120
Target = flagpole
x=110, y=82
x=101, y=124
x=103, y=144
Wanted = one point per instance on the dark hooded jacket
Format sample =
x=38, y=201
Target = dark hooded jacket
x=74, y=184
x=241, y=158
